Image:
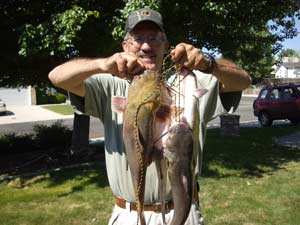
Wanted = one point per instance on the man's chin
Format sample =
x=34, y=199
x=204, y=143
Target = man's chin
x=150, y=66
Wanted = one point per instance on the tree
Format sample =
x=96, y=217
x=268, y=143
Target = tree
x=288, y=53
x=238, y=30
x=42, y=34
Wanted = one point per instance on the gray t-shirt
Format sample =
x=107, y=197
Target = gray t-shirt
x=100, y=88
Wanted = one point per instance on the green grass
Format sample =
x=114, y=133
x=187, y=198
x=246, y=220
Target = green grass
x=73, y=196
x=64, y=109
x=246, y=181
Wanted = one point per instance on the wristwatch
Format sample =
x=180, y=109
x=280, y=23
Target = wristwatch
x=211, y=64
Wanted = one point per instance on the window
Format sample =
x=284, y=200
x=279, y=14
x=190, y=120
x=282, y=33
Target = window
x=287, y=93
x=263, y=94
x=297, y=71
x=274, y=94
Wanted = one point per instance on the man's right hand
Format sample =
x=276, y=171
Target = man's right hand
x=124, y=65
x=71, y=75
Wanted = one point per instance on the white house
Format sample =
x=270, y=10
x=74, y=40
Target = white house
x=290, y=68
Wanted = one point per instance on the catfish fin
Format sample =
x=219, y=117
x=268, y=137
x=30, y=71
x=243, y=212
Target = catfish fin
x=118, y=104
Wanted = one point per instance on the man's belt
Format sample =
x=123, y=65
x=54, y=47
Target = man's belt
x=132, y=205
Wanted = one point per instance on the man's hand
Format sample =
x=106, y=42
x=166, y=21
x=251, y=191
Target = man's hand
x=231, y=77
x=188, y=56
x=124, y=65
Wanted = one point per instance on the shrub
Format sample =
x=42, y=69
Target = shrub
x=57, y=98
x=55, y=135
x=60, y=98
x=12, y=143
x=46, y=97
x=44, y=137
x=41, y=97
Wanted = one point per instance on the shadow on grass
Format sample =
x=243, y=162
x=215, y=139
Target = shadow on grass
x=78, y=178
x=86, y=175
x=95, y=174
x=252, y=154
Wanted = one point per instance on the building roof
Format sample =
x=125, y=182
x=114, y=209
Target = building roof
x=290, y=61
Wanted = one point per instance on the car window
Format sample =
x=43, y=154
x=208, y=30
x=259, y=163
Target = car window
x=274, y=94
x=263, y=94
x=287, y=93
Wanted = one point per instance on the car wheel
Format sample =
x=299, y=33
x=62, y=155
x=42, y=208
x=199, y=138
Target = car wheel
x=264, y=119
x=294, y=121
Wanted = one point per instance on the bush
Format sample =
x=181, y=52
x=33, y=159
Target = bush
x=55, y=135
x=42, y=97
x=44, y=137
x=12, y=143
x=57, y=98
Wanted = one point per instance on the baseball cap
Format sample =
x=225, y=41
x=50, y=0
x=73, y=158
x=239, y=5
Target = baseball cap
x=144, y=14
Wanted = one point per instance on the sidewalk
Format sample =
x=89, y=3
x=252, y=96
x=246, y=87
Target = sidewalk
x=22, y=114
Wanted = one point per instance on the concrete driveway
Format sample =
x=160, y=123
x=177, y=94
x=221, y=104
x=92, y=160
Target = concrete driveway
x=21, y=114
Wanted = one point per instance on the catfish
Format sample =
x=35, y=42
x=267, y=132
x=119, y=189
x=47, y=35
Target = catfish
x=179, y=152
x=178, y=145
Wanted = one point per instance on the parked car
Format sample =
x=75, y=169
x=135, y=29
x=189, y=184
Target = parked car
x=277, y=102
x=2, y=107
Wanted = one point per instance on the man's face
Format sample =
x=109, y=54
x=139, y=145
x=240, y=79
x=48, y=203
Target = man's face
x=147, y=42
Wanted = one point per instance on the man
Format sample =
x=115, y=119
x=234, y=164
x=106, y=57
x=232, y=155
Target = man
x=97, y=80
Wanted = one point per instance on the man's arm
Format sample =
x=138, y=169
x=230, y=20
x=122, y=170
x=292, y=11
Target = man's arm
x=232, y=77
x=71, y=75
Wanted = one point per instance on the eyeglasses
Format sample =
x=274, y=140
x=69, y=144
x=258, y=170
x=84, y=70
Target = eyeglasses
x=137, y=40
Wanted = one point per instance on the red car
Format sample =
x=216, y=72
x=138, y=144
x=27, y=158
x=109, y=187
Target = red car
x=277, y=102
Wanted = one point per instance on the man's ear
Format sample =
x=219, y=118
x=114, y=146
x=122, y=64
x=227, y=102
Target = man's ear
x=125, y=46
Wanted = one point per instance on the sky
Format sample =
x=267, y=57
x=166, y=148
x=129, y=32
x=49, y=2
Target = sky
x=295, y=42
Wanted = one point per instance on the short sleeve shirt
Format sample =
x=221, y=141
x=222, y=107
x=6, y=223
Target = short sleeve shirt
x=100, y=88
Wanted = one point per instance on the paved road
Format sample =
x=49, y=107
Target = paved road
x=244, y=110
x=96, y=127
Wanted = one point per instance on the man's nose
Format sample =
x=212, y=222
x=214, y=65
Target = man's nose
x=145, y=45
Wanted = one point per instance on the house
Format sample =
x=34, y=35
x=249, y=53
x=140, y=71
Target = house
x=290, y=68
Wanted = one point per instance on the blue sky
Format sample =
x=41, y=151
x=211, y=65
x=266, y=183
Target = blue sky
x=295, y=42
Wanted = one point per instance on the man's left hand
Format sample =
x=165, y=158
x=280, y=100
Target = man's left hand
x=186, y=55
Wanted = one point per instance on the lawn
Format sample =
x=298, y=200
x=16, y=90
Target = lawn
x=246, y=180
x=64, y=109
